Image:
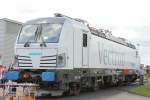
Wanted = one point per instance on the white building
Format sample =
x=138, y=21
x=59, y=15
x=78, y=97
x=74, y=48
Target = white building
x=8, y=33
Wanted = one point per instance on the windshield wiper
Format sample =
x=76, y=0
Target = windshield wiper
x=27, y=44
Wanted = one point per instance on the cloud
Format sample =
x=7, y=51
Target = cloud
x=144, y=52
x=26, y=10
x=125, y=18
x=145, y=29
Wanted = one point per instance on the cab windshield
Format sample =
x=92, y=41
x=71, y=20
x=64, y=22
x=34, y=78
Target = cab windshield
x=48, y=33
x=28, y=34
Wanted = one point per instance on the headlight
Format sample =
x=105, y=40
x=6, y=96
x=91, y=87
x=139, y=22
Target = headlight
x=61, y=60
x=26, y=75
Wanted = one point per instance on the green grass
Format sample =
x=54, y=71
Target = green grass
x=144, y=90
x=147, y=76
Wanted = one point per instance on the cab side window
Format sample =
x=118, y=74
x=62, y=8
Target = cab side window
x=84, y=40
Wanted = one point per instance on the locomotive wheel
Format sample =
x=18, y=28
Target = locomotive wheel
x=74, y=89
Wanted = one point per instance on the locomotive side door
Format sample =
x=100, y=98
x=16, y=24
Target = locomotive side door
x=85, y=49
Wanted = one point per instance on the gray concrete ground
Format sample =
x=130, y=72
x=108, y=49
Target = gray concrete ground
x=114, y=93
x=118, y=93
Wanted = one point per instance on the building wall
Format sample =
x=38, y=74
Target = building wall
x=8, y=37
x=2, y=31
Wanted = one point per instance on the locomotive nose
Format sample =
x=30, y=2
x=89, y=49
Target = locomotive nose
x=36, y=58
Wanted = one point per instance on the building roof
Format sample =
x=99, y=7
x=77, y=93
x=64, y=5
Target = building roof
x=10, y=20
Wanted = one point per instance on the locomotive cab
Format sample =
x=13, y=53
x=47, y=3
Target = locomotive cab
x=39, y=43
x=50, y=49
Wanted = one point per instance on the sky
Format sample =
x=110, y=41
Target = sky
x=125, y=18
